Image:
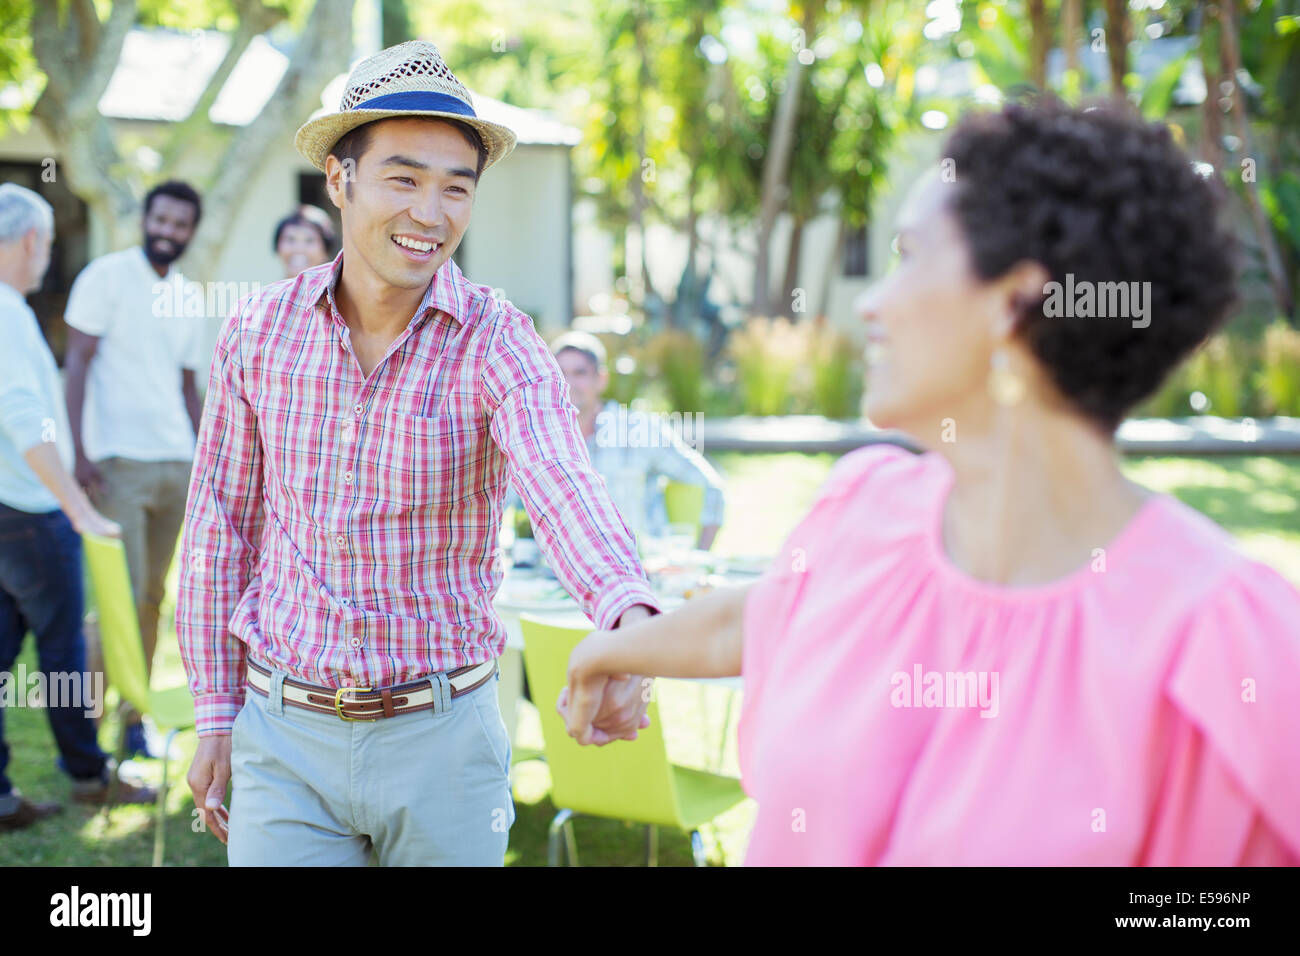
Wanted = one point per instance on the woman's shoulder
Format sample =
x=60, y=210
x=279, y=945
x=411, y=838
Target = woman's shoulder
x=881, y=466
x=1234, y=668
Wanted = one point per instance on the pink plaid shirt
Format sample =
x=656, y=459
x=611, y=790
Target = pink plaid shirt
x=345, y=528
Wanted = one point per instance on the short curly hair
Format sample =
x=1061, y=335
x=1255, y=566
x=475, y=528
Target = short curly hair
x=1098, y=194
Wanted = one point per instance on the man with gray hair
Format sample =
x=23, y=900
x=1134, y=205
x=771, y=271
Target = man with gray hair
x=42, y=514
x=632, y=460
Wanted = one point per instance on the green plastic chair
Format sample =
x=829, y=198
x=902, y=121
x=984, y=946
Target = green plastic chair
x=683, y=503
x=171, y=709
x=625, y=780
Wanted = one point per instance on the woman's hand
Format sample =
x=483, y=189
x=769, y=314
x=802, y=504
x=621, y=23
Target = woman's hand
x=580, y=702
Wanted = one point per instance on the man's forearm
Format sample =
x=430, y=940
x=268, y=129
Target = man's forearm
x=74, y=396
x=43, y=458
x=702, y=638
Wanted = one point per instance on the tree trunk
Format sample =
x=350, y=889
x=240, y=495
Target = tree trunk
x=1211, y=111
x=1072, y=33
x=1040, y=41
x=776, y=167
x=1117, y=34
x=1230, y=46
x=791, y=280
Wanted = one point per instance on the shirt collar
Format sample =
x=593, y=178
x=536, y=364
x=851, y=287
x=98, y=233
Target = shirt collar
x=446, y=292
x=15, y=297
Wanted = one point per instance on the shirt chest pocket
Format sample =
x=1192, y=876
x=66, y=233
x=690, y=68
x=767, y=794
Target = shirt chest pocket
x=416, y=461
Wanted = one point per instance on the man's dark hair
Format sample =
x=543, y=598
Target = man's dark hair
x=176, y=190
x=312, y=216
x=1107, y=197
x=354, y=143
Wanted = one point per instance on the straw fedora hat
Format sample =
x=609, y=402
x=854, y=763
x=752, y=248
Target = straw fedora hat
x=409, y=79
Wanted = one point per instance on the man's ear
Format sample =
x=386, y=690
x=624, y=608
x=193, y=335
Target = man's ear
x=337, y=173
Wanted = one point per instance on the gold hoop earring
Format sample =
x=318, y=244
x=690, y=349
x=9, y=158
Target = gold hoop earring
x=1006, y=387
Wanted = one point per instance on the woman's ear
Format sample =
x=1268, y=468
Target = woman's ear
x=1023, y=286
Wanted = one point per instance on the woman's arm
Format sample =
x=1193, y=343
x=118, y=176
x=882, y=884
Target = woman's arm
x=702, y=638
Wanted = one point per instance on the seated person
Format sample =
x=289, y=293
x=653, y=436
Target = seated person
x=303, y=239
x=632, y=459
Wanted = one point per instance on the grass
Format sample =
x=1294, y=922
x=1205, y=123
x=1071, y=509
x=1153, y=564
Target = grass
x=1253, y=497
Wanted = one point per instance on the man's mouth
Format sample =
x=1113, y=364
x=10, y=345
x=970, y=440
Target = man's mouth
x=418, y=250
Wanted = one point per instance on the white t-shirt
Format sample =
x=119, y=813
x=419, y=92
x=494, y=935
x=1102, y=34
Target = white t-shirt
x=134, y=407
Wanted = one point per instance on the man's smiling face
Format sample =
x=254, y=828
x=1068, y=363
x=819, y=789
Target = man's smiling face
x=411, y=196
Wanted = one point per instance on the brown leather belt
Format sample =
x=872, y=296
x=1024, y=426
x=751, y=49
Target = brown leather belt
x=366, y=703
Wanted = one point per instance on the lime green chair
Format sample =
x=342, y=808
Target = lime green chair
x=625, y=780
x=683, y=503
x=171, y=709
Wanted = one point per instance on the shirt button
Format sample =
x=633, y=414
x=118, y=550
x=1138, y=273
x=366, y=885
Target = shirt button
x=347, y=477
x=358, y=409
x=356, y=642
x=346, y=602
x=340, y=541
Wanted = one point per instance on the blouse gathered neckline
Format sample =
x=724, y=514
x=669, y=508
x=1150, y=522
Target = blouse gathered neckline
x=958, y=577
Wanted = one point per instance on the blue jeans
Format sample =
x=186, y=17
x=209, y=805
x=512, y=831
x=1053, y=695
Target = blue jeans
x=41, y=592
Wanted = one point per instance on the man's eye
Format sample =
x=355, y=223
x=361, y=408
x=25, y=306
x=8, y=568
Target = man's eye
x=403, y=179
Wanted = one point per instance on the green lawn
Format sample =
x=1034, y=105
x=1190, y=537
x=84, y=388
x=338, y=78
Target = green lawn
x=1255, y=498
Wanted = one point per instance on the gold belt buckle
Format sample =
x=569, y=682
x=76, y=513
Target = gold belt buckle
x=338, y=700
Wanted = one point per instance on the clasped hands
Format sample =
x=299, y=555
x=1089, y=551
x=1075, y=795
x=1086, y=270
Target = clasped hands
x=600, y=707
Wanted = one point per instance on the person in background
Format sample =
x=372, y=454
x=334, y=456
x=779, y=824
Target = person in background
x=632, y=460
x=42, y=515
x=303, y=239
x=131, y=366
x=1003, y=652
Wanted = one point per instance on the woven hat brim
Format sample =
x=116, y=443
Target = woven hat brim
x=317, y=137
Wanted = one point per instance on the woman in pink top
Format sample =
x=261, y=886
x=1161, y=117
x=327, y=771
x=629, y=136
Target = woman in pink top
x=1002, y=651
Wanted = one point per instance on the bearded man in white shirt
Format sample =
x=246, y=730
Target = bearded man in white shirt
x=131, y=365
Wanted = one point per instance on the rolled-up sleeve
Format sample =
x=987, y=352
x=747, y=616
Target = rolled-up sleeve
x=223, y=532
x=24, y=413
x=584, y=538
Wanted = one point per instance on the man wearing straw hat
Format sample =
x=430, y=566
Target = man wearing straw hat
x=340, y=554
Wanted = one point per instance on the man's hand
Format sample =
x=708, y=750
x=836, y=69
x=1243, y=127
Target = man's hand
x=600, y=707
x=89, y=477
x=90, y=521
x=208, y=776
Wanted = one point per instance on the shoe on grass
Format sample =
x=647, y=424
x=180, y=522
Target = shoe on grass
x=95, y=792
x=26, y=814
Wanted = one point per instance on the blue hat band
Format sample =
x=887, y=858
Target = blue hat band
x=418, y=100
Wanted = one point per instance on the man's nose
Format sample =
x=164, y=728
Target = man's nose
x=428, y=210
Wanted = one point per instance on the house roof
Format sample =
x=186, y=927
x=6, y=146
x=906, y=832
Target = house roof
x=162, y=73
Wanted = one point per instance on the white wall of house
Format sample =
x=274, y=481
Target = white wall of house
x=519, y=237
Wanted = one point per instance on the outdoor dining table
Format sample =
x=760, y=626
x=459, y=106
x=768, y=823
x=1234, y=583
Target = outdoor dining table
x=537, y=593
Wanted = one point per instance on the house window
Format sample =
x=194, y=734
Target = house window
x=856, y=263
x=68, y=254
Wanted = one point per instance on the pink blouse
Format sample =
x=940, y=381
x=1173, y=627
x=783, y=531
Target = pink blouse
x=1143, y=710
